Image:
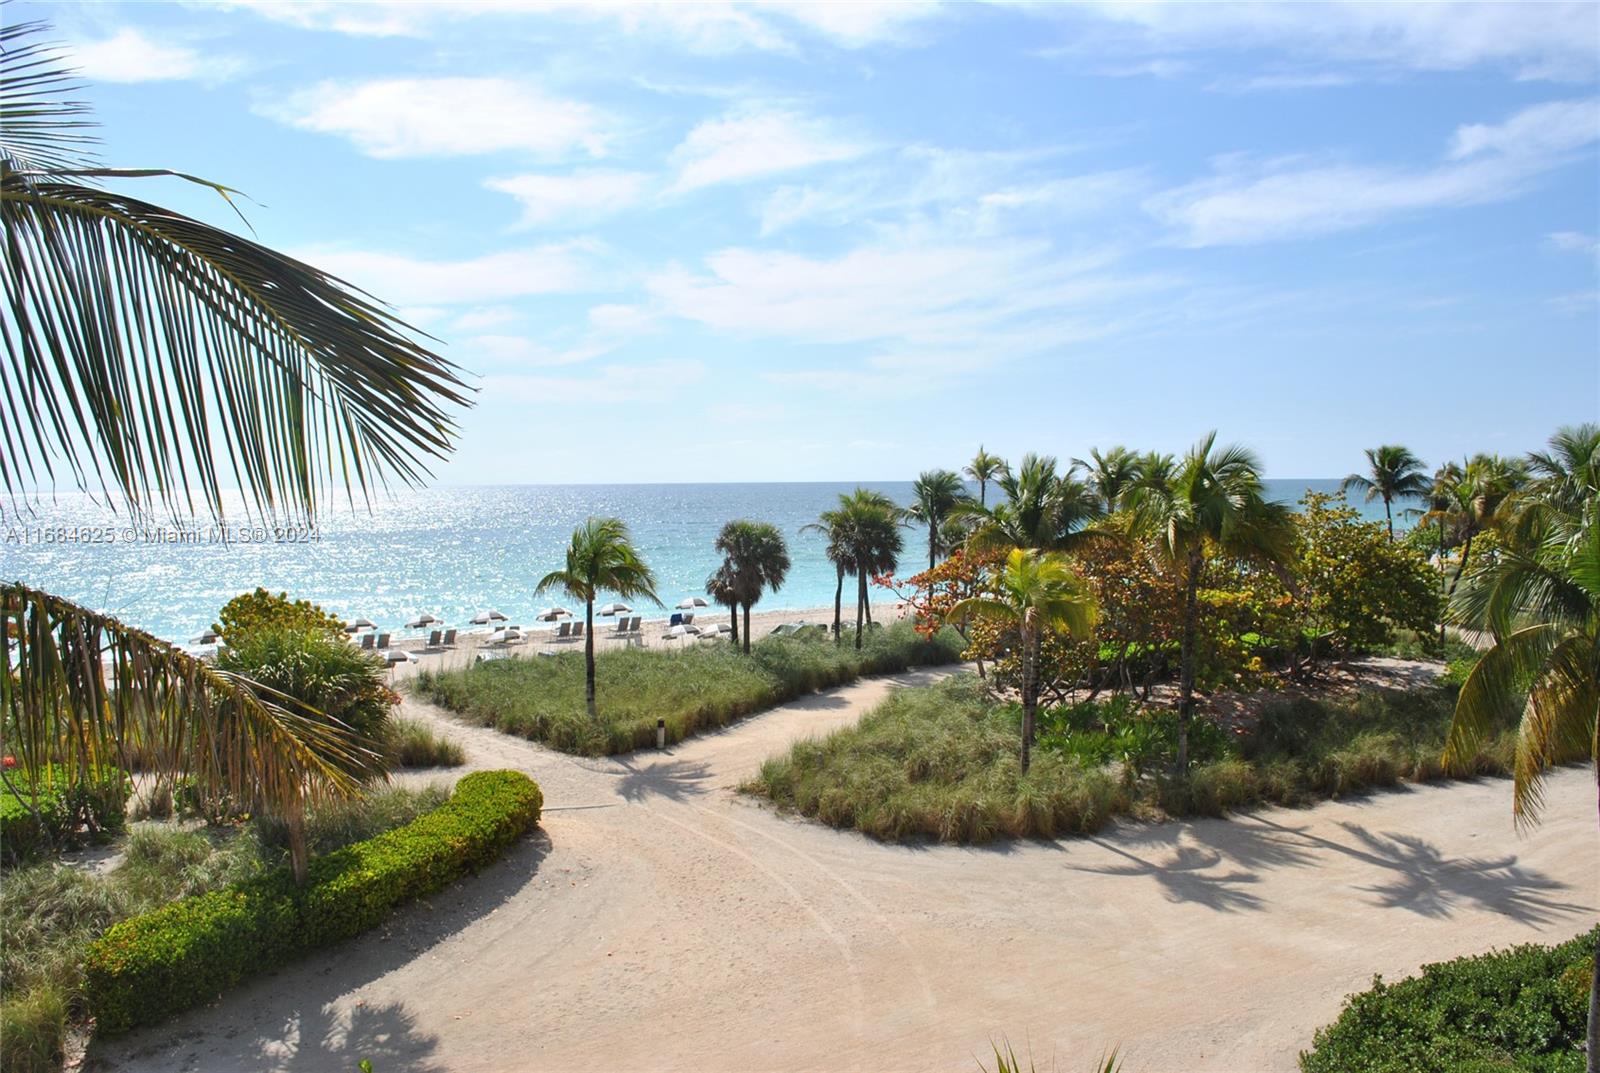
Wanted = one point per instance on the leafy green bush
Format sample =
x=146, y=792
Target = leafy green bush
x=317, y=669
x=1118, y=731
x=51, y=812
x=692, y=689
x=1525, y=1008
x=148, y=968
x=252, y=612
x=50, y=913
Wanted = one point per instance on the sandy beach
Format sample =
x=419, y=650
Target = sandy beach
x=541, y=637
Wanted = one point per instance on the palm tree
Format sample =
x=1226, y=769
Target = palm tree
x=834, y=525
x=984, y=468
x=1213, y=501
x=870, y=530
x=1392, y=473
x=1541, y=603
x=1475, y=498
x=722, y=587
x=1043, y=511
x=1034, y=592
x=601, y=558
x=1153, y=469
x=1563, y=478
x=758, y=559
x=157, y=359
x=1112, y=475
x=936, y=493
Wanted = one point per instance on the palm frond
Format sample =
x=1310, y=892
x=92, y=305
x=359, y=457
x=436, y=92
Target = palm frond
x=1489, y=696
x=1559, y=722
x=80, y=690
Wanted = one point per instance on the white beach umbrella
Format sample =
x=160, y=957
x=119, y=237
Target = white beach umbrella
x=616, y=609
x=422, y=620
x=688, y=603
x=206, y=637
x=674, y=632
x=483, y=618
x=356, y=625
x=394, y=655
x=550, y=614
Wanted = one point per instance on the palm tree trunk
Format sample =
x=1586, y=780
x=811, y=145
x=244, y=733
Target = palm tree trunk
x=1030, y=699
x=733, y=613
x=838, y=605
x=588, y=658
x=1455, y=579
x=861, y=603
x=1191, y=622
x=294, y=817
x=747, y=629
x=933, y=543
x=1388, y=514
x=983, y=491
x=1441, y=576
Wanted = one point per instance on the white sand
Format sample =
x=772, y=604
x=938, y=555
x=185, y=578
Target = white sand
x=660, y=922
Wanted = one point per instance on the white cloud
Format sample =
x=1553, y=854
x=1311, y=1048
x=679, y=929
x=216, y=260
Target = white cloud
x=1248, y=202
x=407, y=117
x=1573, y=242
x=517, y=352
x=754, y=143
x=130, y=56
x=572, y=200
x=707, y=27
x=1544, y=129
x=650, y=382
x=557, y=268
x=623, y=320
x=476, y=320
x=1544, y=40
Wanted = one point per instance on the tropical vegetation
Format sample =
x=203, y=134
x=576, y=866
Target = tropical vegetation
x=755, y=560
x=691, y=690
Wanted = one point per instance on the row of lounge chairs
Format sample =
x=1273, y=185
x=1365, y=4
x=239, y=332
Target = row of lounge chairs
x=436, y=639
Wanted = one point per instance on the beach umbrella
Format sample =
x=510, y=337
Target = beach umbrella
x=421, y=621
x=394, y=655
x=358, y=624
x=674, y=632
x=209, y=637
x=688, y=603
x=616, y=609
x=550, y=614
x=483, y=618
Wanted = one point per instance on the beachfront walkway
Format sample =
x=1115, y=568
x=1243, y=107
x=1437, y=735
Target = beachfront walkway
x=660, y=922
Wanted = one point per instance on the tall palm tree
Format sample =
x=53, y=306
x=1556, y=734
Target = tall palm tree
x=1392, y=473
x=1541, y=603
x=936, y=493
x=601, y=558
x=153, y=359
x=1111, y=475
x=758, y=559
x=723, y=588
x=1562, y=478
x=1152, y=469
x=834, y=525
x=1212, y=502
x=984, y=468
x=870, y=528
x=1034, y=592
x=1476, y=498
x=1043, y=510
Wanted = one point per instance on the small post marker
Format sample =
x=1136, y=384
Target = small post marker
x=661, y=733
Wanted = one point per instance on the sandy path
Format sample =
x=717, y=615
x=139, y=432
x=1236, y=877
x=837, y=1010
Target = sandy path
x=660, y=922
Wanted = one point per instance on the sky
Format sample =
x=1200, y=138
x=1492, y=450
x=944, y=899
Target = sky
x=707, y=242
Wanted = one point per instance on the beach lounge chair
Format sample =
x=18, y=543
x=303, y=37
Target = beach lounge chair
x=636, y=625
x=449, y=638
x=577, y=631
x=563, y=632
x=688, y=618
x=366, y=641
x=383, y=640
x=621, y=630
x=434, y=638
x=675, y=620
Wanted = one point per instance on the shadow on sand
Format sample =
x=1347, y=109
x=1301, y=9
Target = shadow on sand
x=302, y=1028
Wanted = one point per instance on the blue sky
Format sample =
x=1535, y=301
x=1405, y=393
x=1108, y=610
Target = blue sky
x=788, y=242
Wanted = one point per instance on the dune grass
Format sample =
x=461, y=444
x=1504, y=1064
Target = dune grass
x=412, y=743
x=51, y=912
x=941, y=762
x=693, y=689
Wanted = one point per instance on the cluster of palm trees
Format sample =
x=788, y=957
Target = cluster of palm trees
x=863, y=541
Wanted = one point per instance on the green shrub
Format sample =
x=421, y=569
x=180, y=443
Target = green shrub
x=1516, y=1009
x=693, y=689
x=54, y=813
x=323, y=671
x=413, y=743
x=260, y=610
x=148, y=968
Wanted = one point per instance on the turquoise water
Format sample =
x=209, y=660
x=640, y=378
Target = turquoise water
x=449, y=551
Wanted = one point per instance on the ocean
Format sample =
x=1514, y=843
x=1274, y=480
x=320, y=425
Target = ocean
x=450, y=551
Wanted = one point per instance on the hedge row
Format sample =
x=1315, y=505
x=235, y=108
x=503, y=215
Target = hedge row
x=1525, y=1008
x=53, y=813
x=150, y=967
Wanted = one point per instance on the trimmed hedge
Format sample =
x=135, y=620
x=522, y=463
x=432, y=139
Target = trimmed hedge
x=1525, y=1008
x=146, y=969
x=54, y=814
